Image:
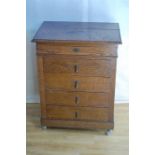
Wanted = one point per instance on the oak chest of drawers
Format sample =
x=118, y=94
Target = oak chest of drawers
x=76, y=69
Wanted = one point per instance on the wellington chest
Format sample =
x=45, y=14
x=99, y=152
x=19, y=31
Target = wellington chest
x=77, y=70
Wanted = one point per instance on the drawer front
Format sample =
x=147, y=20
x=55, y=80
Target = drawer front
x=78, y=67
x=79, y=113
x=77, y=83
x=78, y=99
x=106, y=49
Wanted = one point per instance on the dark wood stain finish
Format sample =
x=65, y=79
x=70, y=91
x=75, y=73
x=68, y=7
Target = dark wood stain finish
x=78, y=31
x=77, y=67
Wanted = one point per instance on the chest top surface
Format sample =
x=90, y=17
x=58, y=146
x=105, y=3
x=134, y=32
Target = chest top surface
x=78, y=31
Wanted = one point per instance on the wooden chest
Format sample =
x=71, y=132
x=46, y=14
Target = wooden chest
x=76, y=68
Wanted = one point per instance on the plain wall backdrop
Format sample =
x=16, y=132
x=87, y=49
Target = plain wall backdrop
x=76, y=10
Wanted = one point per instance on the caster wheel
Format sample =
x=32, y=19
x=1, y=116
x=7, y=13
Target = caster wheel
x=108, y=132
x=44, y=127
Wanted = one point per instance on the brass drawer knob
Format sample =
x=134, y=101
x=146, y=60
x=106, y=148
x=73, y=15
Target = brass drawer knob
x=76, y=49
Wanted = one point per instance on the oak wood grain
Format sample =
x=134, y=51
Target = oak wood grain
x=77, y=83
x=78, y=66
x=79, y=113
x=41, y=86
x=68, y=98
x=104, y=49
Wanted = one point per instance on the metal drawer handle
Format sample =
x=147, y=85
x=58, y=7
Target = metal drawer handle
x=76, y=68
x=76, y=114
x=76, y=49
x=76, y=99
x=76, y=84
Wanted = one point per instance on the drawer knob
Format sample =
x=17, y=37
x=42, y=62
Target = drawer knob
x=76, y=114
x=76, y=99
x=76, y=49
x=76, y=68
x=76, y=84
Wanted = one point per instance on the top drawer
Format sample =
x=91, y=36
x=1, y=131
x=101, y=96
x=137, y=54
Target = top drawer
x=105, y=49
